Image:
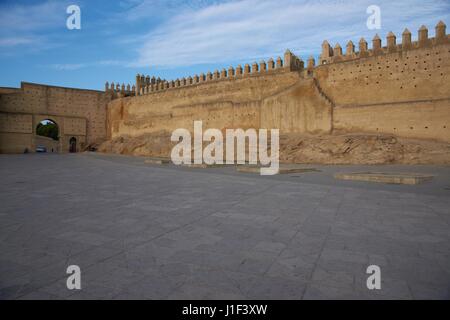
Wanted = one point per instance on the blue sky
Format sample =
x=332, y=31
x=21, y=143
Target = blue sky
x=174, y=38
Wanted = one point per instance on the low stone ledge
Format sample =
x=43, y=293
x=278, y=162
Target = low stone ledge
x=204, y=165
x=281, y=170
x=157, y=161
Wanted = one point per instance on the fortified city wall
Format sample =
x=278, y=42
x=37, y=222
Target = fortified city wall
x=78, y=113
x=401, y=89
x=389, y=103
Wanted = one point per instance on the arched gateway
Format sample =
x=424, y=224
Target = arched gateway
x=48, y=117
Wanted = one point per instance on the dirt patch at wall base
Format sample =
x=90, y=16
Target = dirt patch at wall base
x=361, y=149
x=317, y=149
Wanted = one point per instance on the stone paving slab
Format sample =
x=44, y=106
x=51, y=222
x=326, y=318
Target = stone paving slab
x=386, y=177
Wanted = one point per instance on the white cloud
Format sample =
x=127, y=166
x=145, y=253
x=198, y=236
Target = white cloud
x=251, y=29
x=27, y=24
x=19, y=18
x=15, y=41
x=82, y=65
x=151, y=9
x=68, y=66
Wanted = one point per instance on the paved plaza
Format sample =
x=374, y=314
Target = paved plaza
x=148, y=231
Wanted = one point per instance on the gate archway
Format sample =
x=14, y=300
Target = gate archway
x=47, y=136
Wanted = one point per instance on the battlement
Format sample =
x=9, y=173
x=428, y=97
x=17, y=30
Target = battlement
x=289, y=63
x=146, y=84
x=119, y=91
x=334, y=54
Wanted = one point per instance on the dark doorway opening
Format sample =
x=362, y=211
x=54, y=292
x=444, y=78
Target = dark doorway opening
x=73, y=145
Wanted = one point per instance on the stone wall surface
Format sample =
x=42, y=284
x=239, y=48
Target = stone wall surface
x=405, y=93
x=234, y=103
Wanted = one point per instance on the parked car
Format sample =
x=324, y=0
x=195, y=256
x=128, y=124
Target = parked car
x=41, y=149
